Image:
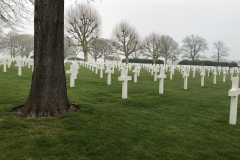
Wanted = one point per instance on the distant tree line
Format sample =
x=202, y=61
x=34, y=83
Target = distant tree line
x=208, y=63
x=17, y=44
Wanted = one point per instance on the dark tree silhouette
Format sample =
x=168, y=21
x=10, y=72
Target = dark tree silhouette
x=48, y=93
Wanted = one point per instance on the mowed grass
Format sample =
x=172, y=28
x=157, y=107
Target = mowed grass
x=179, y=124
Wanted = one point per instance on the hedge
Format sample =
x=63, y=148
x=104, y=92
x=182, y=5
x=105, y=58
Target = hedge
x=138, y=60
x=208, y=63
x=77, y=59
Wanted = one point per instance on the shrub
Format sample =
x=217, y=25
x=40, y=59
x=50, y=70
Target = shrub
x=138, y=60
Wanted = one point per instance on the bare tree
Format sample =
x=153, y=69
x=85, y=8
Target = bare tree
x=69, y=48
x=95, y=49
x=136, y=54
x=153, y=46
x=15, y=12
x=221, y=51
x=10, y=43
x=83, y=25
x=175, y=56
x=1, y=40
x=169, y=47
x=105, y=48
x=29, y=45
x=125, y=39
x=25, y=44
x=193, y=46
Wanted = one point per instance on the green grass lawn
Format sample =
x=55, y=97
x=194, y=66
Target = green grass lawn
x=179, y=124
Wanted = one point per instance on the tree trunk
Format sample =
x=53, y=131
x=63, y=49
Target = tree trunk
x=126, y=59
x=48, y=93
x=85, y=56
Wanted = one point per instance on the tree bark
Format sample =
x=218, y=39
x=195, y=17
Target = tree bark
x=85, y=56
x=126, y=59
x=48, y=93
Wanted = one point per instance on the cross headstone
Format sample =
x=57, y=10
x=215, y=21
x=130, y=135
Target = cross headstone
x=171, y=72
x=155, y=70
x=202, y=74
x=124, y=78
x=19, y=64
x=9, y=62
x=214, y=76
x=233, y=93
x=161, y=80
x=224, y=75
x=109, y=71
x=4, y=63
x=135, y=71
x=101, y=67
x=237, y=72
x=185, y=76
x=194, y=71
x=73, y=75
x=96, y=68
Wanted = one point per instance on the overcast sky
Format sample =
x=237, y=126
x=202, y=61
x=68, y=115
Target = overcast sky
x=210, y=19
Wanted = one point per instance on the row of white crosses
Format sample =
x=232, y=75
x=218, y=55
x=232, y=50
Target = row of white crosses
x=124, y=78
x=20, y=62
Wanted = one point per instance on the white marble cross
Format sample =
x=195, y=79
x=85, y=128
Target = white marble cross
x=161, y=80
x=124, y=78
x=171, y=72
x=214, y=76
x=101, y=67
x=155, y=70
x=19, y=64
x=219, y=71
x=237, y=72
x=185, y=76
x=233, y=93
x=135, y=71
x=194, y=70
x=202, y=74
x=93, y=67
x=138, y=69
x=224, y=75
x=96, y=68
x=75, y=66
x=30, y=63
x=109, y=71
x=4, y=63
x=73, y=75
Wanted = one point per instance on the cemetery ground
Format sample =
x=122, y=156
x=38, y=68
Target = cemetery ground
x=178, y=124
